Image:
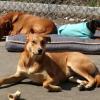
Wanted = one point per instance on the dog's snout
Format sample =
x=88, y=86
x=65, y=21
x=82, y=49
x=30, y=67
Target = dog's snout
x=40, y=51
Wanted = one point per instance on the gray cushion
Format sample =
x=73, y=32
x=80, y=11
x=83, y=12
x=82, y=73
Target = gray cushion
x=58, y=43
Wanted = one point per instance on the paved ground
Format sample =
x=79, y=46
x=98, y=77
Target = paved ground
x=8, y=62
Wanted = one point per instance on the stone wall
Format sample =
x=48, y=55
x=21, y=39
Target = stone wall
x=52, y=10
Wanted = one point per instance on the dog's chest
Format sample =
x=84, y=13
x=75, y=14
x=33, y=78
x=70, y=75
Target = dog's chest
x=33, y=68
x=34, y=73
x=29, y=68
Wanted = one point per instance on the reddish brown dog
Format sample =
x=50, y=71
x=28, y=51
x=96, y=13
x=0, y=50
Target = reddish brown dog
x=52, y=68
x=18, y=22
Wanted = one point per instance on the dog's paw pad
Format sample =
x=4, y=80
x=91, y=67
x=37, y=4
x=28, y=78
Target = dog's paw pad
x=81, y=87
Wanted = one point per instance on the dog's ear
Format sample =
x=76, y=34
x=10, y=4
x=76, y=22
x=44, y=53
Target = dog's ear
x=15, y=17
x=45, y=37
x=29, y=36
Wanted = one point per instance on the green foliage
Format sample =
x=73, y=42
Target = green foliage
x=93, y=3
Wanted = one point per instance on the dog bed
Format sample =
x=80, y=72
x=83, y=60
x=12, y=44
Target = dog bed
x=58, y=43
x=15, y=43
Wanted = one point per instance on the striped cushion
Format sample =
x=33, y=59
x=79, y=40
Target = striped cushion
x=58, y=43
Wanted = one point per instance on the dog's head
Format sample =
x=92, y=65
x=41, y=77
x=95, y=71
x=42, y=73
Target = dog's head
x=6, y=22
x=36, y=44
x=5, y=27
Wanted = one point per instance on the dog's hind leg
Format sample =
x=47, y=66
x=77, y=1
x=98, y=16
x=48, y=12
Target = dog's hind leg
x=17, y=77
x=77, y=80
x=25, y=30
x=87, y=76
x=82, y=83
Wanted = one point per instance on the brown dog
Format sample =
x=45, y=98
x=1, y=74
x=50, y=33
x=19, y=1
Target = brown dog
x=18, y=22
x=52, y=68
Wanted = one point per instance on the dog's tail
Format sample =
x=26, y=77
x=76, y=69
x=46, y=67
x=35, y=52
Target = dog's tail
x=97, y=79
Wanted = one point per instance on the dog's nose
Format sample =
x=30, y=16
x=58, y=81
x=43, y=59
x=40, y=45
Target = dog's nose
x=40, y=51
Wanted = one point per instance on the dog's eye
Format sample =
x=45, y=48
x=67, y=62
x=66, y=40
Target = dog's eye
x=34, y=42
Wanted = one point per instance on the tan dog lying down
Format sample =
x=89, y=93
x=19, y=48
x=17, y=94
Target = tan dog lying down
x=18, y=22
x=52, y=68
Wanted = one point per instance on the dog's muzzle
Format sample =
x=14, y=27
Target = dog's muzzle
x=40, y=51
